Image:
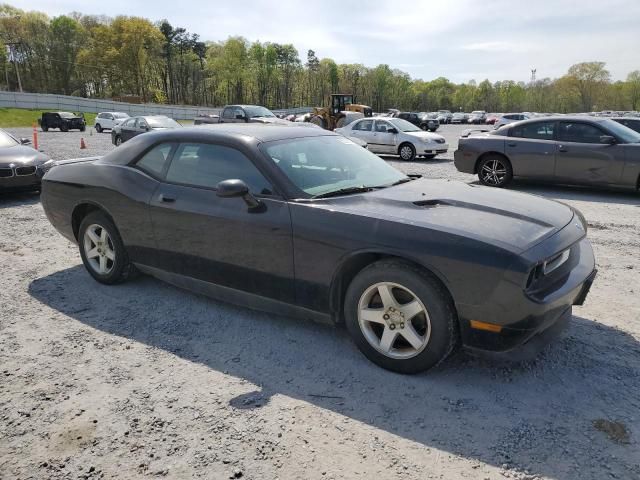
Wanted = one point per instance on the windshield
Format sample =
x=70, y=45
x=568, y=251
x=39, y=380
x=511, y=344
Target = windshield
x=258, y=112
x=625, y=133
x=7, y=140
x=162, y=122
x=403, y=125
x=67, y=115
x=318, y=165
x=120, y=115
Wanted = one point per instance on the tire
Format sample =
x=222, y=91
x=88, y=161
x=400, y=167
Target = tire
x=433, y=329
x=407, y=152
x=429, y=157
x=318, y=120
x=44, y=127
x=64, y=128
x=102, y=251
x=82, y=129
x=432, y=130
x=495, y=171
x=98, y=128
x=340, y=122
x=118, y=141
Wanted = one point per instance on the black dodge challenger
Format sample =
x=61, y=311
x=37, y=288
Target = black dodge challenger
x=303, y=222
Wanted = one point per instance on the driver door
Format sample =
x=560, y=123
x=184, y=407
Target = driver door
x=383, y=139
x=218, y=240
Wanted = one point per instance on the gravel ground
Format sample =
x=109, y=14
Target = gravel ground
x=145, y=380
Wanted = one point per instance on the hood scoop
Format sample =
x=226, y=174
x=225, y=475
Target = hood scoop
x=436, y=202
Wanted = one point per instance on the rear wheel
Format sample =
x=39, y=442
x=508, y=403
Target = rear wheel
x=400, y=317
x=318, y=120
x=83, y=128
x=495, y=171
x=407, y=152
x=102, y=250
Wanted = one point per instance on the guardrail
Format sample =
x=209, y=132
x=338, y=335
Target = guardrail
x=46, y=101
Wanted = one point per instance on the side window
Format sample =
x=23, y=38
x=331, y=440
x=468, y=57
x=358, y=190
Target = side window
x=227, y=113
x=102, y=115
x=142, y=124
x=108, y=116
x=363, y=125
x=155, y=160
x=382, y=126
x=579, y=133
x=129, y=123
x=538, y=131
x=206, y=165
x=238, y=112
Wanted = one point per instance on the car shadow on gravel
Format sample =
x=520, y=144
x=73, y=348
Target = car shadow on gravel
x=537, y=417
x=421, y=160
x=14, y=199
x=569, y=192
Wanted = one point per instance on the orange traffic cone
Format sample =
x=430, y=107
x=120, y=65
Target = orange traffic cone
x=82, y=144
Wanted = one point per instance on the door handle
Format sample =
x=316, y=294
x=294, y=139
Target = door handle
x=166, y=198
x=512, y=144
x=562, y=148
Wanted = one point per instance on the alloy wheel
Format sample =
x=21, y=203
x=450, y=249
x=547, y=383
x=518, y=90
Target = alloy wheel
x=99, y=249
x=406, y=152
x=494, y=172
x=393, y=320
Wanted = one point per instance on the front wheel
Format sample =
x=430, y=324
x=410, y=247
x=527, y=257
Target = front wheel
x=118, y=140
x=407, y=152
x=98, y=128
x=400, y=317
x=102, y=250
x=495, y=171
x=44, y=127
x=319, y=121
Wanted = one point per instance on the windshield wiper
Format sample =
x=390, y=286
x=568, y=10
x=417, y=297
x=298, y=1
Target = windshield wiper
x=402, y=180
x=344, y=191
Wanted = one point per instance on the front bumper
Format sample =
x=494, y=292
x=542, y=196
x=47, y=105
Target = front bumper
x=20, y=177
x=435, y=148
x=529, y=323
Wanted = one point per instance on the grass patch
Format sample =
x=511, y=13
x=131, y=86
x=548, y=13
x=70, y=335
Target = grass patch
x=19, y=117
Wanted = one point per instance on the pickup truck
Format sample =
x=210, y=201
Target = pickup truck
x=241, y=114
x=65, y=121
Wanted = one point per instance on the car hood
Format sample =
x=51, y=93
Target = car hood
x=20, y=154
x=510, y=220
x=421, y=134
x=275, y=120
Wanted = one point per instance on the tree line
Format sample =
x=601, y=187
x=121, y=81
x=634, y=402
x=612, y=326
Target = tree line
x=125, y=57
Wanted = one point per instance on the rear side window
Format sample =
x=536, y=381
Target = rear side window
x=227, y=113
x=363, y=125
x=579, y=133
x=538, y=131
x=206, y=165
x=155, y=161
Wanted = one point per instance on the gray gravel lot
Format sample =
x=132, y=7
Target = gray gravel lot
x=145, y=380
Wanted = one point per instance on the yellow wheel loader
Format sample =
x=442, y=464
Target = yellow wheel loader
x=341, y=112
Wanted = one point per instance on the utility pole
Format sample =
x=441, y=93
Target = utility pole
x=533, y=75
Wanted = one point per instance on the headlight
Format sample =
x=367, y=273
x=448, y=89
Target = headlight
x=426, y=140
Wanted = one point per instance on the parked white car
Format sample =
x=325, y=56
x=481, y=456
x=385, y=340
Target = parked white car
x=395, y=136
x=108, y=120
x=510, y=118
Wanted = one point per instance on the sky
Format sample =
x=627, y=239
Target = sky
x=458, y=39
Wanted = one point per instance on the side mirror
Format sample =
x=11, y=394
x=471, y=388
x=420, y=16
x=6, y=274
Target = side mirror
x=25, y=141
x=392, y=130
x=240, y=117
x=237, y=188
x=608, y=139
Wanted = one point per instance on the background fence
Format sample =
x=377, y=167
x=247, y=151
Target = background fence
x=44, y=101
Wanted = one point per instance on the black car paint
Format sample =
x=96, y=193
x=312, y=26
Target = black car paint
x=55, y=120
x=299, y=254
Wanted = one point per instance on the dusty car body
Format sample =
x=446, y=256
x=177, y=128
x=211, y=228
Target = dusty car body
x=578, y=150
x=244, y=213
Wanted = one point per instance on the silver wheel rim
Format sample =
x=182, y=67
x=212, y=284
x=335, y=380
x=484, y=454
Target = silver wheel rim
x=393, y=320
x=98, y=249
x=118, y=141
x=494, y=172
x=406, y=152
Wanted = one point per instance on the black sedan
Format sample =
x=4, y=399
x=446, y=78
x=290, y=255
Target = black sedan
x=303, y=222
x=134, y=126
x=21, y=166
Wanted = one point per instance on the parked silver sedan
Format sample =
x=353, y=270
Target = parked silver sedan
x=576, y=150
x=395, y=136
